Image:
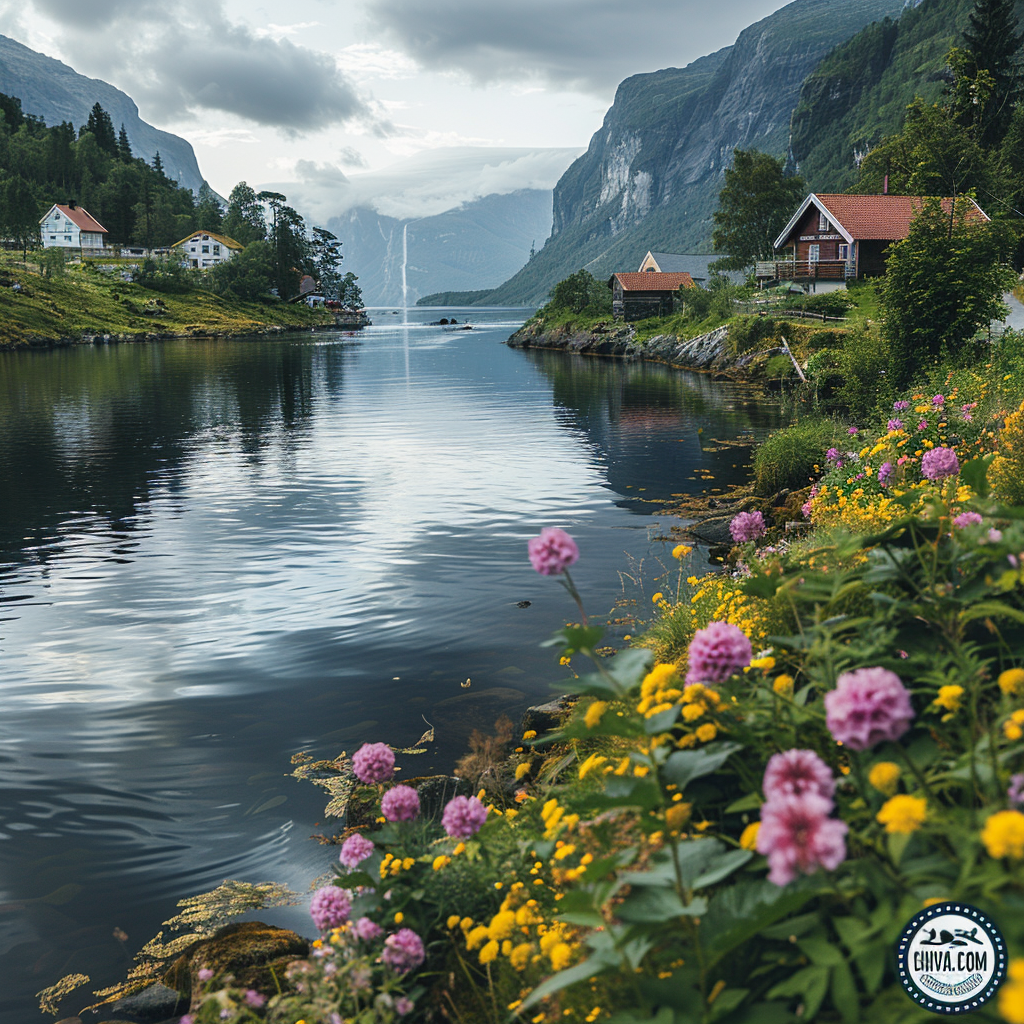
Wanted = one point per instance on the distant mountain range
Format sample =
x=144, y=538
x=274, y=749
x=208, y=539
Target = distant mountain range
x=477, y=245
x=53, y=91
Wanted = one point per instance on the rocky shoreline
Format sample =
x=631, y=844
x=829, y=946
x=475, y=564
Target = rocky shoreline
x=707, y=353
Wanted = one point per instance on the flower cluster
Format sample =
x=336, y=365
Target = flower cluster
x=552, y=552
x=717, y=652
x=747, y=526
x=797, y=833
x=867, y=706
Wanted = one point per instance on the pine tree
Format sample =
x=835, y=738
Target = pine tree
x=124, y=148
x=102, y=129
x=992, y=39
x=158, y=165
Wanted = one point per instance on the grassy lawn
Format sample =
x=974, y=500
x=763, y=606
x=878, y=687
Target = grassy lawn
x=85, y=300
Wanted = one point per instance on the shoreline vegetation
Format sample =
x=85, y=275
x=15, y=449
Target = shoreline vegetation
x=82, y=304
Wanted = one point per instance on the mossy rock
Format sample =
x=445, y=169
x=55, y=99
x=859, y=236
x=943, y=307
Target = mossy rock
x=252, y=952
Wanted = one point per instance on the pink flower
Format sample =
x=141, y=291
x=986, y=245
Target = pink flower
x=852, y=431
x=403, y=951
x=404, y=1005
x=867, y=706
x=938, y=463
x=463, y=817
x=896, y=424
x=552, y=552
x=402, y=803
x=330, y=908
x=995, y=535
x=923, y=425
x=205, y=974
x=900, y=406
x=938, y=400
x=716, y=652
x=797, y=834
x=795, y=772
x=367, y=930
x=747, y=526
x=885, y=474
x=355, y=850
x=253, y=998
x=373, y=762
x=966, y=519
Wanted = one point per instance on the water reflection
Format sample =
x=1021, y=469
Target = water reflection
x=214, y=554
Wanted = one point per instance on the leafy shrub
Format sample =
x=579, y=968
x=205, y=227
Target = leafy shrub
x=749, y=332
x=829, y=303
x=779, y=366
x=864, y=360
x=787, y=458
x=170, y=277
x=580, y=293
x=247, y=276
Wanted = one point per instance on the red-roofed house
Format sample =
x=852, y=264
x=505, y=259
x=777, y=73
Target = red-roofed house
x=71, y=227
x=638, y=296
x=834, y=237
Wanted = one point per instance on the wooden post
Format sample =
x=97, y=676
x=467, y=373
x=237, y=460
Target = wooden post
x=796, y=365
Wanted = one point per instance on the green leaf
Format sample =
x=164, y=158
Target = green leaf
x=738, y=912
x=723, y=867
x=727, y=1001
x=760, y=585
x=576, y=638
x=871, y=964
x=589, y=968
x=646, y=906
x=991, y=610
x=663, y=721
x=750, y=802
x=820, y=951
x=811, y=983
x=686, y=765
x=975, y=474
x=844, y=993
x=897, y=843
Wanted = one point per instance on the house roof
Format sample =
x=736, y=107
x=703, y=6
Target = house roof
x=79, y=216
x=697, y=265
x=884, y=218
x=223, y=239
x=648, y=282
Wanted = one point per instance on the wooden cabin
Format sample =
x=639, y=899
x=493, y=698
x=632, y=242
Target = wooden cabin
x=835, y=237
x=640, y=295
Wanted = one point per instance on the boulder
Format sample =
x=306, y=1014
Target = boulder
x=542, y=718
x=152, y=1005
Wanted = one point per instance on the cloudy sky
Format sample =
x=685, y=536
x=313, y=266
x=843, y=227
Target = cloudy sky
x=321, y=92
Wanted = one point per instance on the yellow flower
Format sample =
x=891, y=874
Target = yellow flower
x=783, y=685
x=767, y=663
x=904, y=814
x=489, y=952
x=520, y=956
x=1003, y=835
x=564, y=660
x=530, y=734
x=949, y=698
x=564, y=850
x=592, y=762
x=707, y=732
x=593, y=716
x=523, y=769
x=1011, y=682
x=677, y=816
x=453, y=920
x=502, y=925
x=560, y=956
x=748, y=840
x=1012, y=730
x=1011, y=993
x=460, y=848
x=681, y=550
x=399, y=917
x=884, y=776
x=691, y=712
x=442, y=861
x=476, y=937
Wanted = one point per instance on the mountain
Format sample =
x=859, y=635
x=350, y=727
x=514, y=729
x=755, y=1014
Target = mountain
x=53, y=91
x=859, y=93
x=476, y=245
x=651, y=176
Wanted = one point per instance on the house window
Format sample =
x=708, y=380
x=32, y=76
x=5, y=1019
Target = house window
x=844, y=252
x=193, y=249
x=206, y=248
x=823, y=224
x=216, y=250
x=67, y=238
x=206, y=238
x=814, y=253
x=53, y=238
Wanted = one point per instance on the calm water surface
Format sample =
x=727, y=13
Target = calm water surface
x=214, y=554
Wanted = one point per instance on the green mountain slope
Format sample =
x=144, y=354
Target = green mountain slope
x=859, y=93
x=651, y=176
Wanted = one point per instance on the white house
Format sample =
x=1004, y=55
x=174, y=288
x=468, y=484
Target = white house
x=71, y=227
x=205, y=249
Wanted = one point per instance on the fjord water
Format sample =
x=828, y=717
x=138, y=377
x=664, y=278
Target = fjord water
x=215, y=554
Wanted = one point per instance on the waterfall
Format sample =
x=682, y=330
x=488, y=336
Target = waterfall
x=405, y=283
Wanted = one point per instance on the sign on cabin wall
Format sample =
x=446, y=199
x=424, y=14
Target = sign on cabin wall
x=821, y=238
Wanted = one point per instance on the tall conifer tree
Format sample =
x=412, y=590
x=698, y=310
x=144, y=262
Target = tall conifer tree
x=992, y=39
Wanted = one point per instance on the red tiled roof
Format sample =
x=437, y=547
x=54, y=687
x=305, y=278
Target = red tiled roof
x=648, y=282
x=83, y=218
x=884, y=217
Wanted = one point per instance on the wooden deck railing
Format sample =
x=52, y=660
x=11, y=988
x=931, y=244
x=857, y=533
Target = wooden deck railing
x=804, y=270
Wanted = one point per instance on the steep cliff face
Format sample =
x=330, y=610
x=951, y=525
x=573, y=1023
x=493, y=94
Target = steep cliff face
x=53, y=91
x=651, y=176
x=859, y=92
